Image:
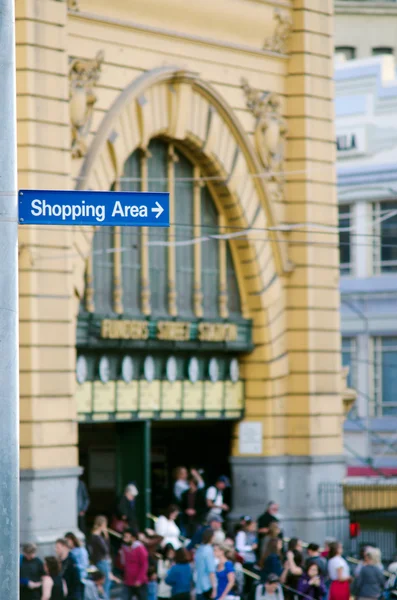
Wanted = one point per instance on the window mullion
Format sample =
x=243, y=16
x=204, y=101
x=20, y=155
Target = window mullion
x=377, y=231
x=198, y=292
x=117, y=274
x=172, y=291
x=89, y=286
x=145, y=286
x=223, y=292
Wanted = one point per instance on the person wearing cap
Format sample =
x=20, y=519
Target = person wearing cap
x=214, y=497
x=127, y=506
x=270, y=590
x=214, y=525
x=31, y=570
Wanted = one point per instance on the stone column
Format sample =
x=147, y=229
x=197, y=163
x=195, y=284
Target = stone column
x=48, y=428
x=314, y=412
x=306, y=412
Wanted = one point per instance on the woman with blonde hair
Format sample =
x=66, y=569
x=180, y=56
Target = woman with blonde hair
x=225, y=573
x=370, y=581
x=100, y=551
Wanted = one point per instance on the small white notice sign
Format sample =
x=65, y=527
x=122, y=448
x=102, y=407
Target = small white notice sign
x=250, y=437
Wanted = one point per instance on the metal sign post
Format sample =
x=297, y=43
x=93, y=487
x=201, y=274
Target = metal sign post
x=9, y=393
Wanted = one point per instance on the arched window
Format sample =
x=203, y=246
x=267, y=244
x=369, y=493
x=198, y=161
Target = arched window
x=103, y=270
x=161, y=271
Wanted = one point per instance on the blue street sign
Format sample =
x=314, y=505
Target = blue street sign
x=54, y=207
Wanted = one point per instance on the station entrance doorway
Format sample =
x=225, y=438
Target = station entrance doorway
x=147, y=453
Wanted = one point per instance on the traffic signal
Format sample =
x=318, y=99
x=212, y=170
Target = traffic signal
x=354, y=529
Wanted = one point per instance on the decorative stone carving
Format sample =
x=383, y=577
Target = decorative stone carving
x=278, y=41
x=83, y=75
x=73, y=4
x=270, y=128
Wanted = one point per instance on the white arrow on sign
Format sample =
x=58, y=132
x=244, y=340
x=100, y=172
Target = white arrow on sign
x=159, y=210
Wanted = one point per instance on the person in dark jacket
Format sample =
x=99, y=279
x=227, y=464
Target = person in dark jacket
x=69, y=570
x=193, y=506
x=311, y=583
x=31, y=572
x=370, y=580
x=127, y=507
x=264, y=521
x=83, y=502
x=295, y=567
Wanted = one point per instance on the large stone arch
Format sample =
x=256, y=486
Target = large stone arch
x=179, y=106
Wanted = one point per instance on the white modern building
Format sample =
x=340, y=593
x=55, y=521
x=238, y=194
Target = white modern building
x=365, y=28
x=366, y=124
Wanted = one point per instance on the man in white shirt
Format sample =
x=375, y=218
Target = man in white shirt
x=214, y=497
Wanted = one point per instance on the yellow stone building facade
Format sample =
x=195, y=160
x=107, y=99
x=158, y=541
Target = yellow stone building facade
x=231, y=343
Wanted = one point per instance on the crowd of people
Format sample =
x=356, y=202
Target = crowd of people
x=189, y=551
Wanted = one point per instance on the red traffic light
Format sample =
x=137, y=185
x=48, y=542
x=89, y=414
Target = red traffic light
x=354, y=529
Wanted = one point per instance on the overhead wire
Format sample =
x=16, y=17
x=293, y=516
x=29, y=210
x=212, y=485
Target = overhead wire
x=282, y=228
x=272, y=175
x=240, y=233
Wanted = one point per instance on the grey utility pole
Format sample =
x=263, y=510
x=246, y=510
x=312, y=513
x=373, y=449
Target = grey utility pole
x=9, y=393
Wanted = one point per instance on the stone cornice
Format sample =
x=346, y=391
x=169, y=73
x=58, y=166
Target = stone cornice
x=254, y=26
x=355, y=7
x=175, y=34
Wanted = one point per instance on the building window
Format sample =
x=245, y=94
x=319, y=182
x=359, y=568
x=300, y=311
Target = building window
x=131, y=242
x=346, y=52
x=103, y=269
x=345, y=254
x=349, y=359
x=381, y=50
x=385, y=236
x=184, y=203
x=385, y=376
x=160, y=271
x=158, y=263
